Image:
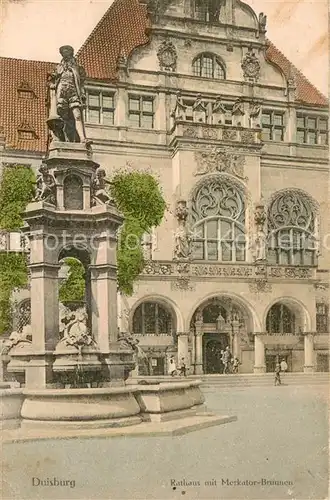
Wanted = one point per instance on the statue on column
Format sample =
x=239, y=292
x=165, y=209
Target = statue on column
x=182, y=248
x=67, y=99
x=218, y=112
x=45, y=186
x=99, y=191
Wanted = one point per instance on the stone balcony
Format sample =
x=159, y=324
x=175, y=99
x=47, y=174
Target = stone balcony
x=187, y=131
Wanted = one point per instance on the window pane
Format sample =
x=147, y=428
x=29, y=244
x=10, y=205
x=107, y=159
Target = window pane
x=150, y=317
x=323, y=124
x=94, y=100
x=265, y=134
x=147, y=105
x=164, y=320
x=198, y=250
x=212, y=229
x=147, y=121
x=226, y=230
x=212, y=251
x=300, y=136
x=94, y=116
x=278, y=135
x=309, y=258
x=219, y=72
x=312, y=138
x=134, y=120
x=272, y=256
x=323, y=138
x=134, y=104
x=197, y=67
x=266, y=118
x=300, y=122
x=107, y=117
x=311, y=123
x=278, y=119
x=297, y=258
x=107, y=101
x=284, y=257
x=226, y=251
x=137, y=321
x=240, y=252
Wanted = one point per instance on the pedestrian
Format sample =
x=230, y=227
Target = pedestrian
x=172, y=367
x=284, y=366
x=226, y=360
x=277, y=374
x=183, y=368
x=236, y=363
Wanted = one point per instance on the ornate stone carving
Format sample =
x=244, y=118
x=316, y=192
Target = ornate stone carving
x=99, y=193
x=238, y=113
x=247, y=136
x=296, y=272
x=251, y=66
x=122, y=61
x=261, y=235
x=219, y=160
x=45, y=186
x=260, y=270
x=183, y=268
x=66, y=99
x=226, y=272
x=260, y=214
x=291, y=208
x=15, y=338
x=167, y=56
x=229, y=135
x=183, y=284
x=182, y=237
x=260, y=285
x=157, y=268
x=74, y=331
x=190, y=132
x=179, y=111
x=209, y=133
x=255, y=114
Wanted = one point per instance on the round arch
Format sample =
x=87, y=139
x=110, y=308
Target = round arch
x=216, y=60
x=296, y=306
x=254, y=321
x=162, y=300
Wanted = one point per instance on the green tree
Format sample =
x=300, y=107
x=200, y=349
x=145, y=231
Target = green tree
x=73, y=287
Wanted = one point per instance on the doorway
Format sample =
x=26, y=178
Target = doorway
x=213, y=344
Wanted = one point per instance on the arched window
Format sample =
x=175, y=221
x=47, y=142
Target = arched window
x=218, y=222
x=280, y=320
x=291, y=227
x=152, y=318
x=209, y=66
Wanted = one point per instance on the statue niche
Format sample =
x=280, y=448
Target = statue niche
x=73, y=193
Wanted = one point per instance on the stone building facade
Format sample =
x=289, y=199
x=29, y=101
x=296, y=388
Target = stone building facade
x=238, y=139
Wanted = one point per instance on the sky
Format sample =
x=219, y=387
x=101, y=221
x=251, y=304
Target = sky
x=35, y=29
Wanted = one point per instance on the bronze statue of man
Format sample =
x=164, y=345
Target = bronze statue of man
x=67, y=98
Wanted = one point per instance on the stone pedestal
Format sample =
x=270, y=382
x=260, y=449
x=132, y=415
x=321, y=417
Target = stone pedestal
x=309, y=352
x=259, y=354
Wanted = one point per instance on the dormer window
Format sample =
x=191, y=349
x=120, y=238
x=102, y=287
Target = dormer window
x=209, y=66
x=26, y=132
x=25, y=91
x=208, y=10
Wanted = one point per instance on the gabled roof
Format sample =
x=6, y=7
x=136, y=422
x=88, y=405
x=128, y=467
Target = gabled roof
x=123, y=28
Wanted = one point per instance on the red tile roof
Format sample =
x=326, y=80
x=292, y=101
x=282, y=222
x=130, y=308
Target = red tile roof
x=121, y=30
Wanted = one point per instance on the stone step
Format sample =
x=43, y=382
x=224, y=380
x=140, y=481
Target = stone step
x=266, y=379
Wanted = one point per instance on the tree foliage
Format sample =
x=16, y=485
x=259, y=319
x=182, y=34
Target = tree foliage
x=13, y=274
x=16, y=191
x=73, y=287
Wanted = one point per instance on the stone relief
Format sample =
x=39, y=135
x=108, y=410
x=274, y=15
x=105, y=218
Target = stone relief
x=218, y=112
x=16, y=338
x=45, y=186
x=167, y=56
x=179, y=111
x=247, y=136
x=190, y=132
x=255, y=115
x=183, y=284
x=238, y=113
x=262, y=22
x=157, y=268
x=229, y=135
x=260, y=285
x=251, y=66
x=199, y=109
x=220, y=160
x=261, y=234
x=73, y=329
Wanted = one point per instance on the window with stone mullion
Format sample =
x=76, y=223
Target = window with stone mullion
x=312, y=129
x=322, y=318
x=273, y=125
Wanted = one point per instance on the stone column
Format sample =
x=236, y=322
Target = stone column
x=259, y=354
x=235, y=325
x=44, y=323
x=120, y=118
x=199, y=347
x=309, y=352
x=183, y=347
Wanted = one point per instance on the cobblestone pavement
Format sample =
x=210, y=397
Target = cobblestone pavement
x=281, y=436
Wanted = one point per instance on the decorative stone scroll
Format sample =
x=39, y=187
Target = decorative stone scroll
x=157, y=268
x=260, y=285
x=220, y=160
x=291, y=272
x=182, y=284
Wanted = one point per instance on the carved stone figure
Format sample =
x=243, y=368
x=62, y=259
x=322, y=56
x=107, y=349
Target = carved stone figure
x=255, y=114
x=199, y=109
x=261, y=244
x=45, y=185
x=16, y=338
x=218, y=112
x=74, y=331
x=167, y=56
x=262, y=22
x=219, y=160
x=67, y=99
x=100, y=195
x=182, y=237
x=251, y=66
x=238, y=112
x=179, y=111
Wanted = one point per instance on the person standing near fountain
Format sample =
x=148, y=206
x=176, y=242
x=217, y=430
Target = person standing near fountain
x=172, y=367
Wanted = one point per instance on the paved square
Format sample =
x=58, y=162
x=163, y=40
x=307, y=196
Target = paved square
x=281, y=435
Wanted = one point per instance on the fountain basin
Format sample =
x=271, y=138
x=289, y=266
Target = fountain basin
x=169, y=400
x=80, y=408
x=11, y=401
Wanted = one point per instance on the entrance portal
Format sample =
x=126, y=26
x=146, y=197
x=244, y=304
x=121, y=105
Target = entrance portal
x=213, y=344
